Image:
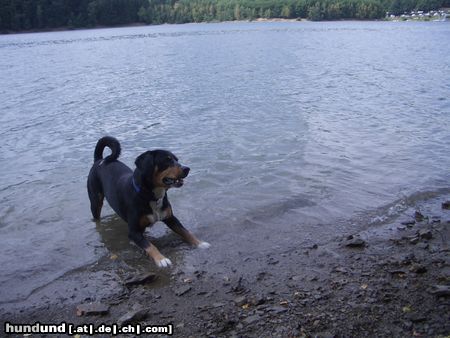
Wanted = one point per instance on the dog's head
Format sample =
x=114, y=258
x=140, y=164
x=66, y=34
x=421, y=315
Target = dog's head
x=160, y=169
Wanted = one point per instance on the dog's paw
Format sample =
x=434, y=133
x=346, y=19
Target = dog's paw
x=164, y=263
x=203, y=245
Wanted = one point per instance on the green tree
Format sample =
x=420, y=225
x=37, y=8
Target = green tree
x=19, y=15
x=286, y=11
x=315, y=13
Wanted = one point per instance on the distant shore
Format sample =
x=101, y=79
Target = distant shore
x=139, y=24
x=403, y=18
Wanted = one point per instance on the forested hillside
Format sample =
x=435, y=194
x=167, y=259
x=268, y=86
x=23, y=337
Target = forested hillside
x=18, y=15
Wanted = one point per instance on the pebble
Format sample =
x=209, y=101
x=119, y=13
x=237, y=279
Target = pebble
x=436, y=219
x=92, y=309
x=218, y=304
x=425, y=234
x=418, y=268
x=241, y=300
x=414, y=240
x=440, y=290
x=277, y=309
x=416, y=318
x=408, y=223
x=141, y=279
x=340, y=269
x=183, y=290
x=251, y=319
x=354, y=242
x=398, y=272
x=132, y=316
x=418, y=216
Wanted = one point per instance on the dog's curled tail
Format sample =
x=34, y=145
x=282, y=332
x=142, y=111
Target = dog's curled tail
x=111, y=143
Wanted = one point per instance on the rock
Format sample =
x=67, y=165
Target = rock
x=203, y=307
x=414, y=240
x=241, y=300
x=239, y=287
x=425, y=234
x=435, y=219
x=418, y=216
x=141, y=279
x=446, y=205
x=388, y=297
x=273, y=261
x=340, y=269
x=440, y=290
x=407, y=259
x=276, y=309
x=183, y=290
x=218, y=304
x=260, y=300
x=133, y=316
x=423, y=246
x=399, y=273
x=228, y=325
x=408, y=325
x=261, y=276
x=92, y=309
x=408, y=223
x=416, y=318
x=354, y=242
x=251, y=319
x=418, y=268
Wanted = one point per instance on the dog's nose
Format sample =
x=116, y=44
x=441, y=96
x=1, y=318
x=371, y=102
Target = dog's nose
x=185, y=171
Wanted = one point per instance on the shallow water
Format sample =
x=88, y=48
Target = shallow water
x=292, y=125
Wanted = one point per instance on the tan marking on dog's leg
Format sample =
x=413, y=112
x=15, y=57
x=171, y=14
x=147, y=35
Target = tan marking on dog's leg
x=144, y=221
x=159, y=259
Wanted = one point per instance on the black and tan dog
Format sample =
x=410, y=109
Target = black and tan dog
x=139, y=197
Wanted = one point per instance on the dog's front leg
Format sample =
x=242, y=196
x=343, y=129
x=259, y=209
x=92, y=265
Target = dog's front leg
x=176, y=226
x=138, y=237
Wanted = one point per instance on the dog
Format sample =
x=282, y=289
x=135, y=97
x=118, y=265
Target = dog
x=139, y=197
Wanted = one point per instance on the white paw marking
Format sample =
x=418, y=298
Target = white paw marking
x=164, y=263
x=203, y=245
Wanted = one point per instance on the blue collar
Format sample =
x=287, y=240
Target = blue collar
x=136, y=187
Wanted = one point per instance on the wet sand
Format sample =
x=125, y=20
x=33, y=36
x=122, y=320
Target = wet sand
x=391, y=279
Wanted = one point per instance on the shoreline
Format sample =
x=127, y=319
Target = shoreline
x=388, y=280
x=137, y=24
x=259, y=20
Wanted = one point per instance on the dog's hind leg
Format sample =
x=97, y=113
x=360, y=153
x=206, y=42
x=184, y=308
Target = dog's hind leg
x=95, y=197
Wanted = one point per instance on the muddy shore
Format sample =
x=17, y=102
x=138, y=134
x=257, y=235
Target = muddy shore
x=386, y=280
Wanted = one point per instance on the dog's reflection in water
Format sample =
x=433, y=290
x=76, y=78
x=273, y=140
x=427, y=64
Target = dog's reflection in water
x=113, y=233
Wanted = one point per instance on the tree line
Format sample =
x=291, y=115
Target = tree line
x=19, y=15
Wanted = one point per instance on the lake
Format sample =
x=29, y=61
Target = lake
x=295, y=132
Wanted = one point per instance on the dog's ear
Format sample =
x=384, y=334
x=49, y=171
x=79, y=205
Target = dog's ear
x=145, y=163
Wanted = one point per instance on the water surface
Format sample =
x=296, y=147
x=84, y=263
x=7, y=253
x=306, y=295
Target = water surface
x=296, y=127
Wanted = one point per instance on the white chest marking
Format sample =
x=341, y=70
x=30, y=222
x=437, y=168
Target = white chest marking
x=158, y=214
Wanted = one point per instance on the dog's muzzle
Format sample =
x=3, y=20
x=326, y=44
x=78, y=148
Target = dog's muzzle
x=177, y=182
